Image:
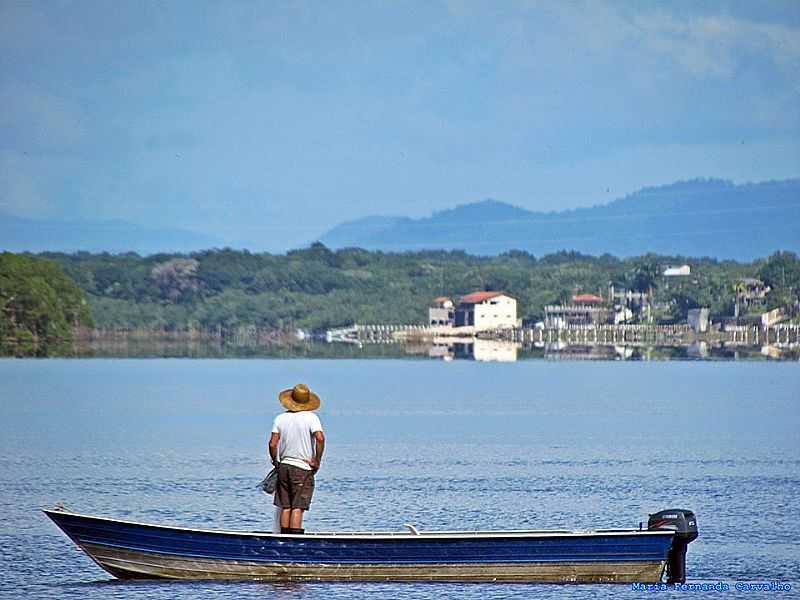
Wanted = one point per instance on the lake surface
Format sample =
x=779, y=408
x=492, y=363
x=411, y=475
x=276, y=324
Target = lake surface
x=442, y=445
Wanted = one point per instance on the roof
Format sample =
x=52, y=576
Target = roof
x=478, y=297
x=440, y=299
x=587, y=298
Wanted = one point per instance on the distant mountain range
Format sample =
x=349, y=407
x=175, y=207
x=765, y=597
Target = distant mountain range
x=38, y=235
x=704, y=217
x=694, y=218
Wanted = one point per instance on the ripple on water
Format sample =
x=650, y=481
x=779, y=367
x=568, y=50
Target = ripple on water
x=551, y=467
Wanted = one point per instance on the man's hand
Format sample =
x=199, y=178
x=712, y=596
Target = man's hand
x=319, y=438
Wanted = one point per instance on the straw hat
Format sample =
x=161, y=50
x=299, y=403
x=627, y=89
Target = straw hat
x=299, y=398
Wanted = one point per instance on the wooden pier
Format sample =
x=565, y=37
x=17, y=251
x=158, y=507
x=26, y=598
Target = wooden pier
x=779, y=335
x=605, y=335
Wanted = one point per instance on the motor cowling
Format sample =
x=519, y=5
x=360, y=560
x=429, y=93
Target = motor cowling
x=684, y=524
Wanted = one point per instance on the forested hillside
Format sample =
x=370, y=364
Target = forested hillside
x=39, y=305
x=316, y=288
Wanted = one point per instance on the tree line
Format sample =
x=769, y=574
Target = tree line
x=316, y=288
x=40, y=306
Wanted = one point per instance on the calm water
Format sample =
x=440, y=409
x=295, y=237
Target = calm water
x=456, y=445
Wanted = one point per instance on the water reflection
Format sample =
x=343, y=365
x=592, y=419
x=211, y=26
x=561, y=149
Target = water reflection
x=446, y=348
x=697, y=350
x=504, y=351
x=469, y=348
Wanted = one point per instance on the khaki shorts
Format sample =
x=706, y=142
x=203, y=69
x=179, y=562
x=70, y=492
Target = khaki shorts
x=295, y=487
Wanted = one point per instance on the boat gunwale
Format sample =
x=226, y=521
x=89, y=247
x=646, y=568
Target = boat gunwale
x=90, y=547
x=356, y=535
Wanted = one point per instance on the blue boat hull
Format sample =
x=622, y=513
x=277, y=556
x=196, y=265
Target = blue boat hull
x=135, y=550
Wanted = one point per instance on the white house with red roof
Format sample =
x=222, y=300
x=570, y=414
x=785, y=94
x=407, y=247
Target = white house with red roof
x=486, y=310
x=585, y=310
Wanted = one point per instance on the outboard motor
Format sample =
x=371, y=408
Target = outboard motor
x=684, y=524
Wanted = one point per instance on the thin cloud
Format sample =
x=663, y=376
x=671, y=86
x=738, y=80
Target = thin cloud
x=32, y=120
x=719, y=45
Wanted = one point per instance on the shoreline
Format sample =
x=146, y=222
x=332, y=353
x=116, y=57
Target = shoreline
x=629, y=342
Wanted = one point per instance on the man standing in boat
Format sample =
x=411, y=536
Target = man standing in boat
x=296, y=447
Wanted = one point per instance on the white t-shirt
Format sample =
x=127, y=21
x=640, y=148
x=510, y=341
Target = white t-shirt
x=297, y=442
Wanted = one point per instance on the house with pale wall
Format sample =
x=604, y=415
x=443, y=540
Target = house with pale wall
x=442, y=313
x=486, y=310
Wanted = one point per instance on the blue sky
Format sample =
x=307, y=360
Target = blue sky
x=270, y=122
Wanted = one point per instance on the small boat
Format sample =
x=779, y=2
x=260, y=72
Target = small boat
x=130, y=550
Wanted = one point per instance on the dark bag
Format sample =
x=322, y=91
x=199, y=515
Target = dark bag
x=269, y=483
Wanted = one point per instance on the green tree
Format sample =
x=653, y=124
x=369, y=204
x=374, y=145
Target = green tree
x=781, y=272
x=39, y=304
x=644, y=277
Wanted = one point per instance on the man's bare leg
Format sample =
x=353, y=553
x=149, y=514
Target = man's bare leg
x=285, y=517
x=296, y=519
